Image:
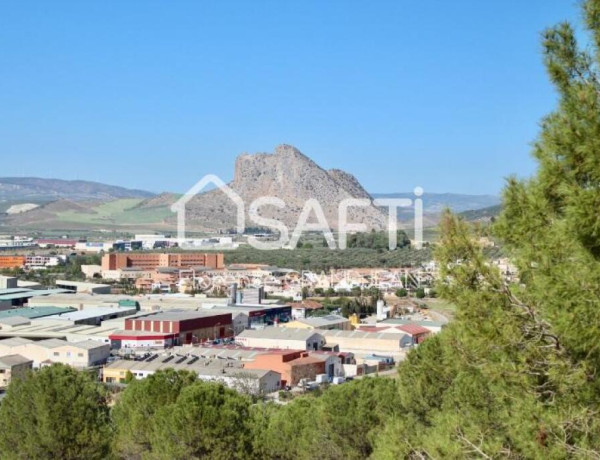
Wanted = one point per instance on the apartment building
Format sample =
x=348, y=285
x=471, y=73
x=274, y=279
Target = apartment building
x=152, y=261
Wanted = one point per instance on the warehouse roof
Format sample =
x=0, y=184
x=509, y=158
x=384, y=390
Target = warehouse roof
x=29, y=293
x=15, y=321
x=281, y=333
x=51, y=343
x=14, y=342
x=34, y=312
x=321, y=321
x=14, y=290
x=89, y=313
x=182, y=315
x=201, y=367
x=360, y=335
x=13, y=360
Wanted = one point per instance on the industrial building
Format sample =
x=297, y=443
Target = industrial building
x=295, y=365
x=83, y=287
x=233, y=375
x=366, y=342
x=282, y=338
x=173, y=328
x=327, y=322
x=15, y=297
x=83, y=354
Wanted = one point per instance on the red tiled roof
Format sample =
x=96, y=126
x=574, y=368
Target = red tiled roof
x=413, y=329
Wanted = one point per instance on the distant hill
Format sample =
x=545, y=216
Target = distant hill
x=435, y=203
x=35, y=189
x=484, y=214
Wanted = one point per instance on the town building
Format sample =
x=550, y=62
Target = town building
x=300, y=309
x=13, y=366
x=11, y=262
x=150, y=261
x=56, y=243
x=43, y=261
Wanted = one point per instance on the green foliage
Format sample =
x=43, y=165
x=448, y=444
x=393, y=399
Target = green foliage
x=57, y=412
x=172, y=415
x=420, y=293
x=134, y=412
x=514, y=375
x=320, y=258
x=206, y=421
x=340, y=424
x=376, y=240
x=401, y=292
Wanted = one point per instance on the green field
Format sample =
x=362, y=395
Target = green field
x=116, y=213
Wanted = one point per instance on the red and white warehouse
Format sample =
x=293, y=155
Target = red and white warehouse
x=166, y=329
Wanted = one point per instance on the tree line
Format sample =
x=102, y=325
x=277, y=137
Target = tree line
x=59, y=412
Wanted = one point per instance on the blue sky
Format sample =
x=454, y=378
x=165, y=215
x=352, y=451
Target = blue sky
x=442, y=94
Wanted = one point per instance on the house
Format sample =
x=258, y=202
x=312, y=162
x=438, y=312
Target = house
x=13, y=366
x=417, y=332
x=282, y=338
x=300, y=309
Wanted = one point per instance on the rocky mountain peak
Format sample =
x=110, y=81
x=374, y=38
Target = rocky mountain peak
x=290, y=175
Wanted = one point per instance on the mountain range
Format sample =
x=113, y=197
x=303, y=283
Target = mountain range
x=35, y=203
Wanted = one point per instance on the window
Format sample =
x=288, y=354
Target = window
x=56, y=353
x=80, y=355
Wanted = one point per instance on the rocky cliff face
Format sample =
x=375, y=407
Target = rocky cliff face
x=291, y=176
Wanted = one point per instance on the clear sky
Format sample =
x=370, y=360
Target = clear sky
x=442, y=94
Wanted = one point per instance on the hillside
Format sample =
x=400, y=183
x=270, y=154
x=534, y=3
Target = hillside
x=37, y=189
x=120, y=214
x=484, y=214
x=435, y=203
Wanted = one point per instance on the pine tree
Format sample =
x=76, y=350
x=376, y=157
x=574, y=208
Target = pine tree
x=515, y=375
x=58, y=412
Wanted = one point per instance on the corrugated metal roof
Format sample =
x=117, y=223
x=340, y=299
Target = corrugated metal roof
x=29, y=293
x=34, y=312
